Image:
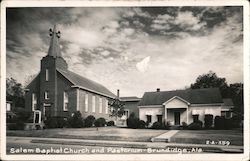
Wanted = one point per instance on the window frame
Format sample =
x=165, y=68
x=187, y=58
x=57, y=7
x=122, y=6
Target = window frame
x=46, y=74
x=34, y=101
x=100, y=104
x=93, y=103
x=86, y=103
x=65, y=101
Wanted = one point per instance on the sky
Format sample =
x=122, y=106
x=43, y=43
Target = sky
x=134, y=49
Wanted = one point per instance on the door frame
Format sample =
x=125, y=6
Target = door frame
x=177, y=115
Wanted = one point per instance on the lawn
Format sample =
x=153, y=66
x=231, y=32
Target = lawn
x=201, y=136
x=103, y=133
x=139, y=135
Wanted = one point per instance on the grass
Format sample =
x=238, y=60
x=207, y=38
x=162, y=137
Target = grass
x=138, y=135
x=103, y=133
x=201, y=136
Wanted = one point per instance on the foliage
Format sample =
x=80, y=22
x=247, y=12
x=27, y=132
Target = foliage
x=76, y=121
x=55, y=122
x=234, y=91
x=89, y=121
x=221, y=123
x=14, y=92
x=142, y=124
x=208, y=121
x=195, y=125
x=111, y=123
x=133, y=121
x=100, y=122
x=157, y=125
x=16, y=126
x=116, y=107
x=184, y=125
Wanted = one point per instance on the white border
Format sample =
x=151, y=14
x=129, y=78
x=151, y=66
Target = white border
x=245, y=3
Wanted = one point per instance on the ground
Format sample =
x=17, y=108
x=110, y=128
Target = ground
x=235, y=137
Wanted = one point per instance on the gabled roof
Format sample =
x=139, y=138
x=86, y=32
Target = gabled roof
x=85, y=83
x=228, y=102
x=193, y=96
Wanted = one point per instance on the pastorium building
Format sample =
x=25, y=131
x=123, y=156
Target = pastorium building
x=56, y=91
x=179, y=106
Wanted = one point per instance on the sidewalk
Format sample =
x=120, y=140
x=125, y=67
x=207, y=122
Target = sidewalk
x=142, y=145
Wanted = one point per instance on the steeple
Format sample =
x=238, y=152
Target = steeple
x=54, y=48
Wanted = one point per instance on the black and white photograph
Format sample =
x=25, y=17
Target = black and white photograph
x=132, y=81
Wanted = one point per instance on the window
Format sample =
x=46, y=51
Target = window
x=226, y=114
x=65, y=101
x=86, y=102
x=149, y=118
x=34, y=102
x=195, y=118
x=46, y=95
x=100, y=104
x=93, y=103
x=159, y=118
x=126, y=113
x=47, y=74
x=106, y=106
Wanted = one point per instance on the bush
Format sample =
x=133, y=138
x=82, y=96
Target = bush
x=157, y=125
x=142, y=124
x=221, y=123
x=89, y=121
x=132, y=121
x=111, y=123
x=100, y=122
x=16, y=126
x=208, y=121
x=195, y=125
x=184, y=125
x=55, y=122
x=76, y=121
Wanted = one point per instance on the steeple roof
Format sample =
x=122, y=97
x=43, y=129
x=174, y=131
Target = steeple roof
x=54, y=48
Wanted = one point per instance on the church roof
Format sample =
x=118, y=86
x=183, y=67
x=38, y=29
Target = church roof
x=54, y=48
x=193, y=96
x=84, y=83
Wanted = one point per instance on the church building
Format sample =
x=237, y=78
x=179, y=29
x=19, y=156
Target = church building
x=56, y=91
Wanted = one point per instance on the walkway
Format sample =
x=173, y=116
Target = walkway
x=165, y=137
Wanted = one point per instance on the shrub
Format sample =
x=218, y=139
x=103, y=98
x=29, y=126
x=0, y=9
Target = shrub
x=55, y=122
x=222, y=123
x=157, y=125
x=100, y=122
x=111, y=123
x=76, y=121
x=184, y=125
x=142, y=124
x=89, y=121
x=132, y=121
x=16, y=126
x=195, y=125
x=208, y=121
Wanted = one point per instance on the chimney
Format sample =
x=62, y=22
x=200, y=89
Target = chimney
x=158, y=90
x=118, y=93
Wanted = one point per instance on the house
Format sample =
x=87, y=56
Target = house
x=181, y=106
x=130, y=106
x=58, y=92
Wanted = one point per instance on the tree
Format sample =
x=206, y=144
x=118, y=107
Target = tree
x=14, y=92
x=233, y=91
x=211, y=80
x=116, y=107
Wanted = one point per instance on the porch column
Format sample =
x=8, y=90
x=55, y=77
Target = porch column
x=166, y=114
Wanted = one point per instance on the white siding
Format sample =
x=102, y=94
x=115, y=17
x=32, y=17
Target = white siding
x=176, y=103
x=153, y=111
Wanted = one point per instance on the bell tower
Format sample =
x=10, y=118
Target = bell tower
x=48, y=75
